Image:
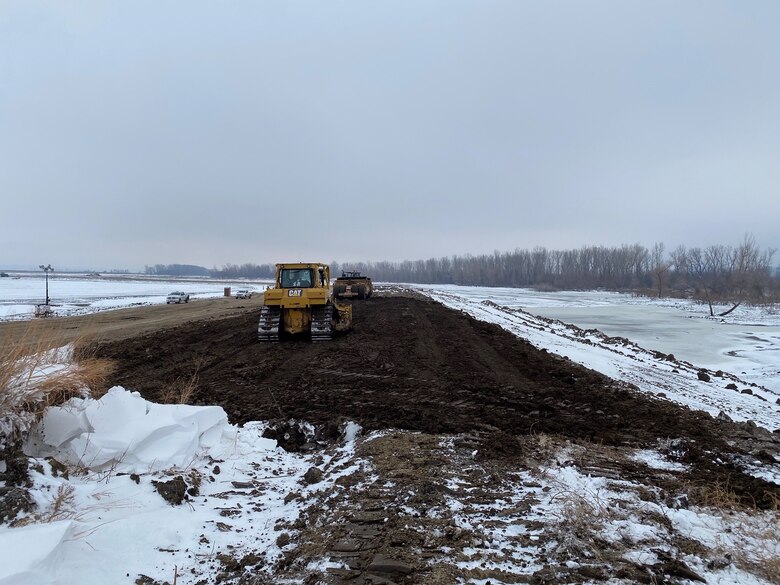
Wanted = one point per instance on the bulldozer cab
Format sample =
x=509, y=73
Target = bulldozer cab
x=295, y=278
x=302, y=276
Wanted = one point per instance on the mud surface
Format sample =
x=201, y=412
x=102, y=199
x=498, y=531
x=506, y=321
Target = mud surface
x=414, y=364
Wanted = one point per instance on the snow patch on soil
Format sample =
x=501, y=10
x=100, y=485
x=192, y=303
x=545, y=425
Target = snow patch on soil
x=99, y=483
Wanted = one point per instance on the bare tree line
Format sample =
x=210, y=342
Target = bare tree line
x=227, y=271
x=176, y=270
x=715, y=274
x=244, y=271
x=722, y=273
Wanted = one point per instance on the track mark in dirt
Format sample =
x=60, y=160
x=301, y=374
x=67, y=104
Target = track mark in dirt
x=418, y=508
x=413, y=364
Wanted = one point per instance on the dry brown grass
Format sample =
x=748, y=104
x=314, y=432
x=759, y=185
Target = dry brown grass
x=88, y=374
x=181, y=390
x=539, y=449
x=62, y=508
x=718, y=495
x=721, y=496
x=39, y=370
x=578, y=520
x=62, y=505
x=753, y=543
x=763, y=564
x=770, y=569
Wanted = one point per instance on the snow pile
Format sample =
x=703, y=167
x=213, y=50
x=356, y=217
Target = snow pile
x=31, y=550
x=124, y=432
x=99, y=473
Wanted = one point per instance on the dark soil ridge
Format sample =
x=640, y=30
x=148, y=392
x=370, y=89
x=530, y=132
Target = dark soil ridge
x=414, y=364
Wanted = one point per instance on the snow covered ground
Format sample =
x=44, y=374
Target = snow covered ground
x=126, y=488
x=109, y=523
x=72, y=294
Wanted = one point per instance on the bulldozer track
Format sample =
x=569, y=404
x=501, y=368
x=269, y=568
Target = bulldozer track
x=268, y=327
x=322, y=323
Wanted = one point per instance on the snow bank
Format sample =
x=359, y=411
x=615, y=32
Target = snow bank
x=102, y=525
x=34, y=547
x=124, y=432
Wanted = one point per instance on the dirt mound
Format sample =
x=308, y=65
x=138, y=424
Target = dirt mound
x=410, y=364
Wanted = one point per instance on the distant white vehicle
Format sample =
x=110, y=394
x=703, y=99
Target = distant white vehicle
x=244, y=293
x=177, y=297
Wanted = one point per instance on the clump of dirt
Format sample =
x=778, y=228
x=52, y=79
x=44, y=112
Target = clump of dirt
x=313, y=475
x=414, y=364
x=235, y=568
x=16, y=466
x=14, y=500
x=291, y=435
x=15, y=497
x=146, y=580
x=178, y=489
x=173, y=491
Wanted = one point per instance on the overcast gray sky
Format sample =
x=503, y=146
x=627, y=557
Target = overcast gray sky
x=137, y=132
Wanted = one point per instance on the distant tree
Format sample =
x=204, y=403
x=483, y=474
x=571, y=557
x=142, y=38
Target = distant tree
x=659, y=267
x=748, y=273
x=678, y=259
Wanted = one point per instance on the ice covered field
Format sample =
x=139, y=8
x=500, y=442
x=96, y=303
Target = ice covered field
x=72, y=294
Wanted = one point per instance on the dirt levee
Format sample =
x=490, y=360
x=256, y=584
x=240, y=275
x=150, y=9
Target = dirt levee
x=410, y=364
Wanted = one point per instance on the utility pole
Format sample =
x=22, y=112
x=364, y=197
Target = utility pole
x=46, y=269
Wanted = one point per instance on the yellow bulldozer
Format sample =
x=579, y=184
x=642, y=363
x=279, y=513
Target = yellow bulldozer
x=300, y=302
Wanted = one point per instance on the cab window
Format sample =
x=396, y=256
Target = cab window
x=296, y=278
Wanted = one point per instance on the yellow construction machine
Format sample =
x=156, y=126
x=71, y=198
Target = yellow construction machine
x=301, y=301
x=353, y=285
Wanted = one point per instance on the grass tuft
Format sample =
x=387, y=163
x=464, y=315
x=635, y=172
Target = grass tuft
x=180, y=391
